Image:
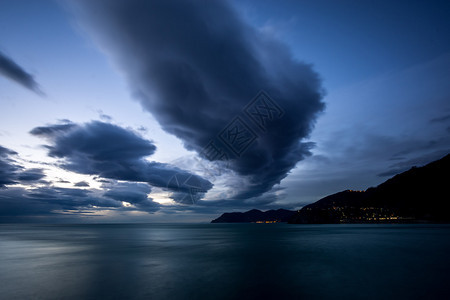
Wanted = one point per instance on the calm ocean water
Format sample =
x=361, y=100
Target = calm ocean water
x=224, y=261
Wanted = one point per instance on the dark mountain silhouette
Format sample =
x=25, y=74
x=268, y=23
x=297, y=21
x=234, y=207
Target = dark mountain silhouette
x=254, y=215
x=417, y=195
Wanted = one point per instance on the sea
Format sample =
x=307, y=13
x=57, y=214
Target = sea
x=224, y=261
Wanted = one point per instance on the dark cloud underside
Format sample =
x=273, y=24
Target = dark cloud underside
x=195, y=65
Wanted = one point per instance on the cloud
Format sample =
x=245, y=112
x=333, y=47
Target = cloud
x=18, y=204
x=15, y=203
x=12, y=173
x=112, y=152
x=95, y=142
x=52, y=131
x=13, y=71
x=195, y=65
x=31, y=175
x=45, y=200
x=70, y=198
x=7, y=167
x=133, y=193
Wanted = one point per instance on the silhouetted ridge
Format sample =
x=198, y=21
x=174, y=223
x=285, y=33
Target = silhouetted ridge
x=417, y=195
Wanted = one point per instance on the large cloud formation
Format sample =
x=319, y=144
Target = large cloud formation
x=13, y=71
x=110, y=151
x=196, y=65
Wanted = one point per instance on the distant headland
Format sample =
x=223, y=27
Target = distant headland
x=256, y=216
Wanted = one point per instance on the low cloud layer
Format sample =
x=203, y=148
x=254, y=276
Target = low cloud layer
x=112, y=152
x=196, y=66
x=13, y=71
x=42, y=199
x=38, y=204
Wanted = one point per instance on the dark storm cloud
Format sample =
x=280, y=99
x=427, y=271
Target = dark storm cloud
x=196, y=64
x=109, y=151
x=81, y=184
x=16, y=73
x=96, y=140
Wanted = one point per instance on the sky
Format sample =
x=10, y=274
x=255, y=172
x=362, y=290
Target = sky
x=178, y=111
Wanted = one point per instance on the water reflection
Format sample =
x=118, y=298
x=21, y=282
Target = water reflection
x=223, y=261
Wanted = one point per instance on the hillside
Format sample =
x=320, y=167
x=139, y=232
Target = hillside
x=417, y=195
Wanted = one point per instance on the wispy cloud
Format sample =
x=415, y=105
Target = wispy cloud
x=13, y=71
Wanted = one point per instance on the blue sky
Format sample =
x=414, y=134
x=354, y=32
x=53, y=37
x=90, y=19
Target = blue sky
x=363, y=86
